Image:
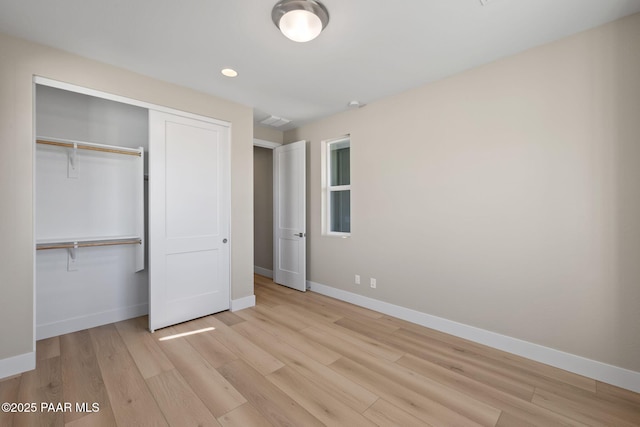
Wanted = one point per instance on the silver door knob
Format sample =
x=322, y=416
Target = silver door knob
x=224, y=240
x=299, y=234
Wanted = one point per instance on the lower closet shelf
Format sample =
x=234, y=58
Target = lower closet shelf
x=83, y=243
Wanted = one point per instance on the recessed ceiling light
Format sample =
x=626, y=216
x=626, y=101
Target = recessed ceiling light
x=229, y=72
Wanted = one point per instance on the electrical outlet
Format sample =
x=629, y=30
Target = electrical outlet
x=357, y=279
x=373, y=283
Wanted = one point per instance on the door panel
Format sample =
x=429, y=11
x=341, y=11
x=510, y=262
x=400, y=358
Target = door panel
x=289, y=259
x=289, y=235
x=189, y=269
x=189, y=199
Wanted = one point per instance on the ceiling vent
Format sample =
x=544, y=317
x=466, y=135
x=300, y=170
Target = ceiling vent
x=275, y=122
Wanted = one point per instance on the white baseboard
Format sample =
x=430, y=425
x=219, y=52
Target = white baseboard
x=242, y=303
x=610, y=374
x=90, y=321
x=263, y=271
x=17, y=364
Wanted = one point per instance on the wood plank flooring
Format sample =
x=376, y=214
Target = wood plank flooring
x=300, y=359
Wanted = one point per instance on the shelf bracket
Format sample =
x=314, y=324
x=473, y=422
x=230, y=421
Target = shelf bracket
x=71, y=259
x=72, y=169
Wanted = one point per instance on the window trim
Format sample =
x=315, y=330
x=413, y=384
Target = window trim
x=327, y=188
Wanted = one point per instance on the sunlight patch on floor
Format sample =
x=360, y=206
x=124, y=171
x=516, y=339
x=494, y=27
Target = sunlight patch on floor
x=184, y=334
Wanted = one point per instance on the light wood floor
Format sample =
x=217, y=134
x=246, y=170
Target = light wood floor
x=301, y=359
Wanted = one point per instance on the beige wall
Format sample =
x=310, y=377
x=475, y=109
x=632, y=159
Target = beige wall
x=263, y=207
x=506, y=197
x=268, y=134
x=19, y=62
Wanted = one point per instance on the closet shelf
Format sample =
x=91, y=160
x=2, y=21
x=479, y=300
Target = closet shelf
x=81, y=145
x=87, y=242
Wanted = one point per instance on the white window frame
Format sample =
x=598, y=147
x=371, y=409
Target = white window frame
x=327, y=188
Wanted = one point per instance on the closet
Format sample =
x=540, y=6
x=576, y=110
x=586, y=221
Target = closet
x=91, y=213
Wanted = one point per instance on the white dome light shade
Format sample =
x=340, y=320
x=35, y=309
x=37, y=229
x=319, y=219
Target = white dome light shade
x=300, y=25
x=300, y=20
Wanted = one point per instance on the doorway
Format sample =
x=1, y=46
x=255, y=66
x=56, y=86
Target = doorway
x=263, y=211
x=279, y=212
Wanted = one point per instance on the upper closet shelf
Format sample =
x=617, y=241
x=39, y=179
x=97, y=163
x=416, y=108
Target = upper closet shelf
x=80, y=240
x=82, y=145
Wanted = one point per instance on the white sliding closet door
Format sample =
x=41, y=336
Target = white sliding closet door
x=189, y=204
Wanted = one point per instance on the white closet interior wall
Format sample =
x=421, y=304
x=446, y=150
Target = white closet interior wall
x=104, y=286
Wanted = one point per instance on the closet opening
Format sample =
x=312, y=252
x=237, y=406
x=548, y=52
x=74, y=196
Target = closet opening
x=90, y=211
x=131, y=211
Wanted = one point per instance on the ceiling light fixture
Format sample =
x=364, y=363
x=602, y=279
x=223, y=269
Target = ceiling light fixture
x=300, y=20
x=229, y=72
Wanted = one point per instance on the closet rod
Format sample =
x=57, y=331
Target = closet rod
x=86, y=244
x=88, y=147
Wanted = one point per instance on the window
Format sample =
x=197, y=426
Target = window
x=337, y=182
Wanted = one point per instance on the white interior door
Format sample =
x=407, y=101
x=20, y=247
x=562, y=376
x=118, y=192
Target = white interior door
x=189, y=201
x=289, y=221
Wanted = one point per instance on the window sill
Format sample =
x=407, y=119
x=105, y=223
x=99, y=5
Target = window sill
x=337, y=235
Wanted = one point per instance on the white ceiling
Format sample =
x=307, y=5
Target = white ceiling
x=370, y=49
